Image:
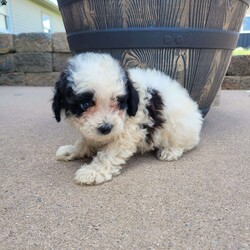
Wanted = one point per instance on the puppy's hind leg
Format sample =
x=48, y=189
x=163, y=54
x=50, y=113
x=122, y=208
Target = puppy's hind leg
x=71, y=152
x=169, y=154
x=177, y=141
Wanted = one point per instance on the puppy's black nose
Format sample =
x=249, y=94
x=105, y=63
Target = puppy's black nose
x=105, y=128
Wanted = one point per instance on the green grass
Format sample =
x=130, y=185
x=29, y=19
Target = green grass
x=241, y=52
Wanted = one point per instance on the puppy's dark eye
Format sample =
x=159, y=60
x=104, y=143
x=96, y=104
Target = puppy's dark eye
x=122, y=101
x=84, y=106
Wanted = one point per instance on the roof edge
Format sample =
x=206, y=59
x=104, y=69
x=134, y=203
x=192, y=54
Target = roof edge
x=49, y=5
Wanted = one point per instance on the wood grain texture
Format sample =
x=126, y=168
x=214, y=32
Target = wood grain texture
x=201, y=71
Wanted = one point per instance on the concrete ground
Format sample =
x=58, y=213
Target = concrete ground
x=201, y=201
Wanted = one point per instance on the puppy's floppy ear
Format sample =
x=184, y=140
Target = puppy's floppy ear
x=133, y=97
x=58, y=99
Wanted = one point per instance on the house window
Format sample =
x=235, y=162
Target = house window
x=246, y=24
x=4, y=25
x=46, y=23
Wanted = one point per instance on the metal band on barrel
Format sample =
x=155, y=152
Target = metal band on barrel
x=153, y=38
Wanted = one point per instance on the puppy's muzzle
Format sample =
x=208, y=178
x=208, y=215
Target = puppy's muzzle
x=105, y=129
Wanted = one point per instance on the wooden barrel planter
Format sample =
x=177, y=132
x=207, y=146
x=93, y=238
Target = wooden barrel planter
x=190, y=40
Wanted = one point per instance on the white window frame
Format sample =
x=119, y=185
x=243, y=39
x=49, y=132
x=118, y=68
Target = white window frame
x=8, y=19
x=245, y=31
x=51, y=24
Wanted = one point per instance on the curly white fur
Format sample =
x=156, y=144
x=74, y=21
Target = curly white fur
x=177, y=134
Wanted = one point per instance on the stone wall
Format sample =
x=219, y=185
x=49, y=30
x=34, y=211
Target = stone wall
x=36, y=59
x=238, y=74
x=33, y=59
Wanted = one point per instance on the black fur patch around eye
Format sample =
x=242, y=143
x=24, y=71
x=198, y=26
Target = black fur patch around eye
x=122, y=102
x=154, y=107
x=65, y=98
x=77, y=104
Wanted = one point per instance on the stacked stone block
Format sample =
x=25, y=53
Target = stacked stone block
x=33, y=59
x=238, y=74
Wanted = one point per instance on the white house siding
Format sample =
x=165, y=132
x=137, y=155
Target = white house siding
x=26, y=16
x=248, y=12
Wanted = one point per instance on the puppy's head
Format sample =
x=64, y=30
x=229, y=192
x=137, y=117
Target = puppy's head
x=96, y=95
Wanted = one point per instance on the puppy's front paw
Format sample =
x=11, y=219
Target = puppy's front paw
x=90, y=175
x=170, y=154
x=65, y=153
